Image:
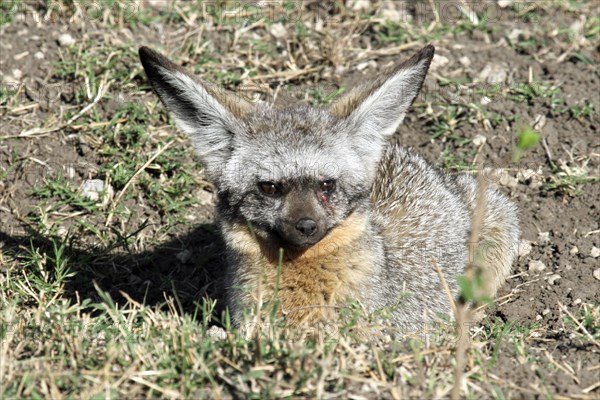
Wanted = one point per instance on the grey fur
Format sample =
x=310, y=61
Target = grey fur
x=392, y=210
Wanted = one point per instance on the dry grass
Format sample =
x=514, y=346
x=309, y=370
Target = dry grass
x=90, y=308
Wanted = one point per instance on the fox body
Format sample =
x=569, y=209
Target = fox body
x=316, y=206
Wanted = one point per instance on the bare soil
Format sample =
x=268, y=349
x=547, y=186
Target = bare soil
x=561, y=228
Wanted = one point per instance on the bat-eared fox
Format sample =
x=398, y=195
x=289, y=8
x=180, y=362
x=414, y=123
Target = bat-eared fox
x=356, y=216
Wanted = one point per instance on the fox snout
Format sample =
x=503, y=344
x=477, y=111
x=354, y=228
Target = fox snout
x=303, y=220
x=306, y=226
x=302, y=232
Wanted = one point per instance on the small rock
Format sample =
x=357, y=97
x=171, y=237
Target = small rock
x=93, y=188
x=543, y=237
x=539, y=122
x=70, y=172
x=528, y=174
x=20, y=56
x=595, y=252
x=205, y=197
x=278, y=31
x=484, y=101
x=539, y=317
x=514, y=34
x=574, y=251
x=39, y=55
x=597, y=273
x=184, y=256
x=535, y=184
x=524, y=248
x=536, y=266
x=360, y=5
x=507, y=180
x=494, y=73
x=546, y=311
x=478, y=140
x=66, y=40
x=391, y=14
x=505, y=3
x=438, y=62
x=159, y=4
x=135, y=280
x=17, y=74
x=553, y=278
x=61, y=231
x=465, y=61
x=366, y=64
x=577, y=26
x=215, y=332
x=577, y=301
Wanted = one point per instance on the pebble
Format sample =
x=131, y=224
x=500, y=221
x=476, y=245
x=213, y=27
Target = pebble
x=391, y=14
x=438, y=61
x=525, y=175
x=215, y=332
x=17, y=74
x=70, y=172
x=184, y=256
x=574, y=250
x=205, y=197
x=543, y=237
x=507, y=180
x=524, y=248
x=19, y=56
x=92, y=188
x=597, y=273
x=465, y=61
x=159, y=4
x=66, y=40
x=595, y=252
x=62, y=231
x=39, y=55
x=366, y=64
x=494, y=73
x=514, y=34
x=278, y=31
x=536, y=266
x=479, y=139
x=553, y=278
x=539, y=122
x=360, y=5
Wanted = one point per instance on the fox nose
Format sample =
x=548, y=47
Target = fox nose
x=306, y=226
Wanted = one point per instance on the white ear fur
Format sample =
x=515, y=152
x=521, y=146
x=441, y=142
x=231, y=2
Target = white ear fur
x=383, y=111
x=209, y=125
x=374, y=112
x=207, y=114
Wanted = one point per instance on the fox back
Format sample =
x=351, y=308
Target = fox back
x=317, y=207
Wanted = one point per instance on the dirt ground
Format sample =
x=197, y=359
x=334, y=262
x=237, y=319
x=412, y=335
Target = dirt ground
x=555, y=183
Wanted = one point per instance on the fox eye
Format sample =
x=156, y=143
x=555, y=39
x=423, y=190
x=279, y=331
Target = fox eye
x=268, y=188
x=328, y=185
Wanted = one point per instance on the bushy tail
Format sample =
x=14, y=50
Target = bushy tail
x=499, y=235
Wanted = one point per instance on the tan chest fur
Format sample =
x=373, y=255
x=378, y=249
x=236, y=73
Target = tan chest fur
x=312, y=281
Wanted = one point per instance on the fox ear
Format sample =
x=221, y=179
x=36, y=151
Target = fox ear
x=209, y=115
x=374, y=111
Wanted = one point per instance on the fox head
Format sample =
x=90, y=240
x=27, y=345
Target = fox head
x=294, y=174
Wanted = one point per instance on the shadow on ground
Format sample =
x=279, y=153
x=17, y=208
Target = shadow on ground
x=188, y=268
